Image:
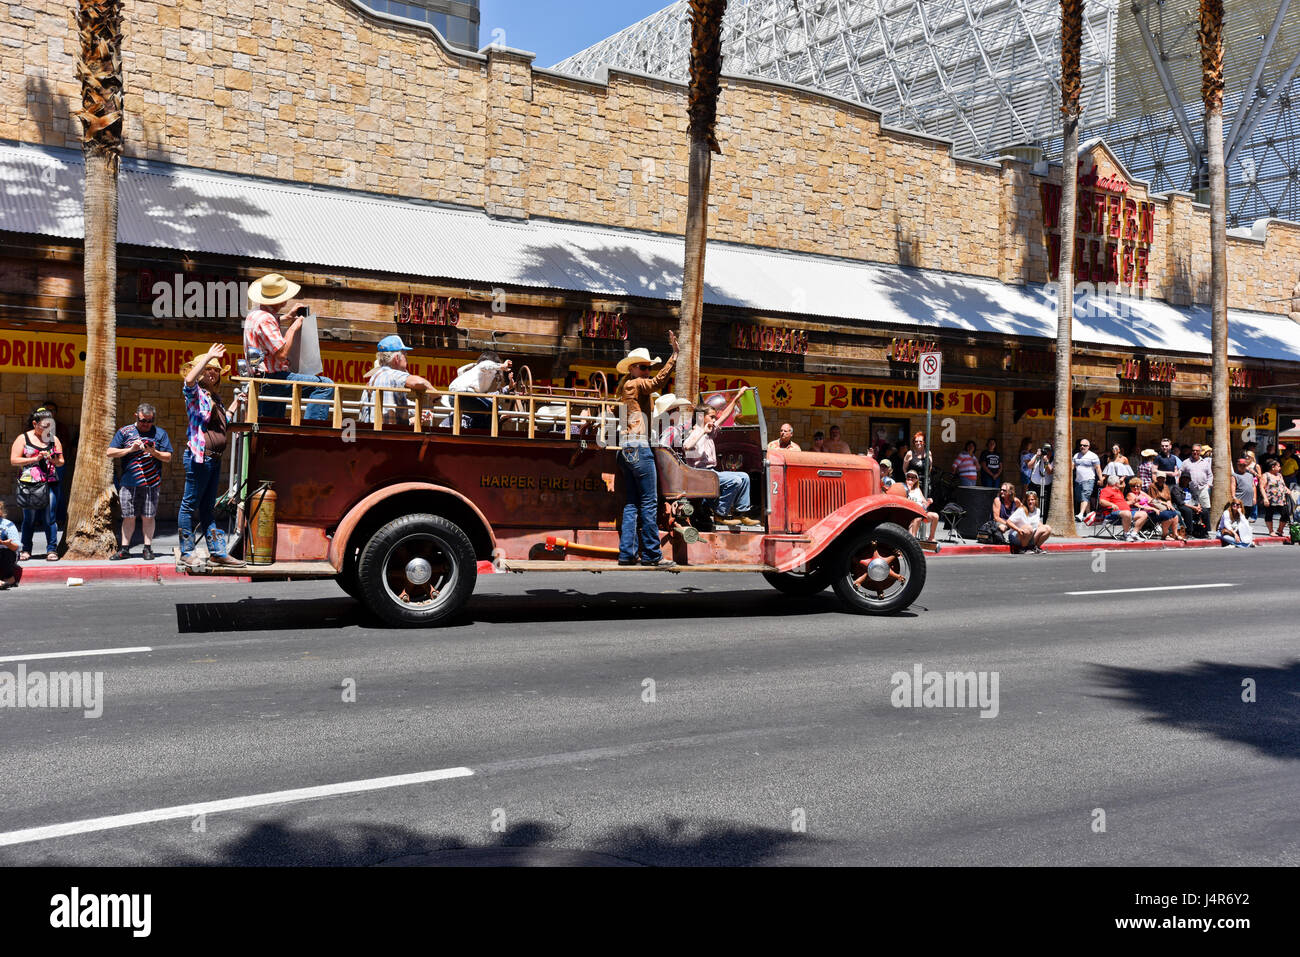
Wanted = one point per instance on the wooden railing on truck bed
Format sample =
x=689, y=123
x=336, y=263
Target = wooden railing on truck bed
x=558, y=414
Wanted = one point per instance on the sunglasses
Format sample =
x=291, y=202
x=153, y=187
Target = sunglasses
x=148, y=421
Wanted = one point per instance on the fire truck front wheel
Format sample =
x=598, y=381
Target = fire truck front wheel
x=879, y=570
x=417, y=570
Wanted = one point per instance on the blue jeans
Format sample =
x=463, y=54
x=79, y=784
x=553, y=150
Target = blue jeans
x=316, y=413
x=1226, y=540
x=641, y=507
x=47, y=519
x=201, y=482
x=1083, y=492
x=733, y=489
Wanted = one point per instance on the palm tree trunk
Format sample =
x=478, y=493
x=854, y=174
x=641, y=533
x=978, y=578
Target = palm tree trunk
x=90, y=532
x=1062, y=511
x=706, y=70
x=1211, y=37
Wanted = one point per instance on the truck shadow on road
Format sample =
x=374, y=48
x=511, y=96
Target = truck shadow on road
x=1210, y=698
x=542, y=604
x=671, y=841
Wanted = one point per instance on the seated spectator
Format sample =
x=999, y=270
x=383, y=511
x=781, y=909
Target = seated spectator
x=1140, y=501
x=11, y=573
x=886, y=474
x=1026, y=524
x=1273, y=493
x=1290, y=466
x=931, y=518
x=1195, y=515
x=1244, y=484
x=1168, y=515
x=1004, y=506
x=818, y=442
x=785, y=439
x=1234, y=527
x=701, y=452
x=966, y=466
x=390, y=372
x=487, y=376
x=1113, y=503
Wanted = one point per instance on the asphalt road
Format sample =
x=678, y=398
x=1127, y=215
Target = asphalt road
x=768, y=713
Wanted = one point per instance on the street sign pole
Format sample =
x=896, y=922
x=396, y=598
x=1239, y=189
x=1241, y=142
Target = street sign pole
x=928, y=382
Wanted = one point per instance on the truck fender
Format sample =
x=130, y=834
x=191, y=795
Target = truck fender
x=873, y=509
x=339, y=541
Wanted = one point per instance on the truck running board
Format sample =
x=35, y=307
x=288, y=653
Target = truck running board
x=273, y=570
x=587, y=565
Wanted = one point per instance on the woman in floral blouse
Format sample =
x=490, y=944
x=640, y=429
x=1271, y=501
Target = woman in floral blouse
x=1273, y=491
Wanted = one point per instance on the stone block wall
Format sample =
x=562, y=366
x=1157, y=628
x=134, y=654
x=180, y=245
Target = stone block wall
x=318, y=91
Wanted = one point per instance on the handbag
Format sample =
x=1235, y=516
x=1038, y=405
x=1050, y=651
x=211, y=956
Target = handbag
x=990, y=534
x=32, y=496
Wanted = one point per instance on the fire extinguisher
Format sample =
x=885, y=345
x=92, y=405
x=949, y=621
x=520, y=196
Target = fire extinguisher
x=261, y=523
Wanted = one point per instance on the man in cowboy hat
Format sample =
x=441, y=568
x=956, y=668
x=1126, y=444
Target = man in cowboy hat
x=274, y=295
x=701, y=453
x=668, y=419
x=636, y=458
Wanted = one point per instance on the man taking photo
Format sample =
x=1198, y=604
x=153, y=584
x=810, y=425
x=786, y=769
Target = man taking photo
x=143, y=449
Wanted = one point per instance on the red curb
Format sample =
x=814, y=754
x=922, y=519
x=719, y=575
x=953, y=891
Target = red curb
x=1104, y=545
x=57, y=573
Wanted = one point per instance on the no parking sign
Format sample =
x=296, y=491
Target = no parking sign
x=931, y=367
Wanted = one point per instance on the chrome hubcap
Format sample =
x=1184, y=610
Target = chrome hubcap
x=418, y=571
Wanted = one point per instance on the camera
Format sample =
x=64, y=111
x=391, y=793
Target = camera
x=1045, y=450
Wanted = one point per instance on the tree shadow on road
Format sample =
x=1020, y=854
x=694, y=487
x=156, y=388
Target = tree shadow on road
x=1206, y=698
x=667, y=842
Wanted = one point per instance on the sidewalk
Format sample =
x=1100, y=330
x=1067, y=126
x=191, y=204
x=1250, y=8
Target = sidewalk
x=1083, y=541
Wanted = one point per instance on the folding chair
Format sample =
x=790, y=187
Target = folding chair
x=951, y=514
x=1110, y=525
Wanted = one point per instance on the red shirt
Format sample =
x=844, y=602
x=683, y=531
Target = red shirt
x=1113, y=497
x=262, y=332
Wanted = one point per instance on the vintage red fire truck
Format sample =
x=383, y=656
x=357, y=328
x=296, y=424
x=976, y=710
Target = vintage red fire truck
x=402, y=513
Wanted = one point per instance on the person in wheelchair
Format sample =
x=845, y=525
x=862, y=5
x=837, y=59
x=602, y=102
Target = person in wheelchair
x=701, y=452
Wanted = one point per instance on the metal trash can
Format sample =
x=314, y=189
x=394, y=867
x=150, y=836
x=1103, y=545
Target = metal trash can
x=978, y=502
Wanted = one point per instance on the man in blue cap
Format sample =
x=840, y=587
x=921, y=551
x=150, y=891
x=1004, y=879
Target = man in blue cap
x=390, y=372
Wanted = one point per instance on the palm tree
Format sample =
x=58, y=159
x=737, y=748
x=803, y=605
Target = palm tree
x=99, y=68
x=706, y=69
x=1061, y=514
x=1211, y=37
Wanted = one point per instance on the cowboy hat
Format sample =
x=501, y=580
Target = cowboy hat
x=635, y=357
x=212, y=364
x=272, y=289
x=669, y=401
x=1148, y=453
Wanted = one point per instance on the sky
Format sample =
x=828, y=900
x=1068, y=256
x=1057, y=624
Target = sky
x=555, y=29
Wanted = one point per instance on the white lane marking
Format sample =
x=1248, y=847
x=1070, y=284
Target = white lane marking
x=75, y=654
x=31, y=834
x=1118, y=591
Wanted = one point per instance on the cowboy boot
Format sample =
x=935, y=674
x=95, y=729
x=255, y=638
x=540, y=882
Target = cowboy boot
x=217, y=549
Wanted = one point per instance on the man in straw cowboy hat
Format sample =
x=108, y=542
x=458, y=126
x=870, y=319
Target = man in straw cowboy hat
x=668, y=419
x=636, y=458
x=274, y=295
x=205, y=441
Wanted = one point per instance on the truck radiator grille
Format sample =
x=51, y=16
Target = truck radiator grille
x=818, y=497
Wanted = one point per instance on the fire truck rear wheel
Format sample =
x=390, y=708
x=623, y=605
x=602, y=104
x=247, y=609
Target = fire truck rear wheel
x=879, y=571
x=800, y=584
x=417, y=570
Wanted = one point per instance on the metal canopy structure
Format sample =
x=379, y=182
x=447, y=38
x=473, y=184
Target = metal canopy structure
x=985, y=74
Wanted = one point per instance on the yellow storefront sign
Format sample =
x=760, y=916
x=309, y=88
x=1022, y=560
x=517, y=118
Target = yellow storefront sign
x=39, y=353
x=1266, y=422
x=849, y=395
x=1113, y=410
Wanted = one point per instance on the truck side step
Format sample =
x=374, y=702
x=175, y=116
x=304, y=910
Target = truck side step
x=588, y=565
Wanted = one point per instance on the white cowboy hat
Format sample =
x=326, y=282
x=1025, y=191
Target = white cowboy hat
x=272, y=289
x=634, y=357
x=669, y=401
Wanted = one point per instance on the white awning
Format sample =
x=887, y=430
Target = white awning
x=199, y=211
